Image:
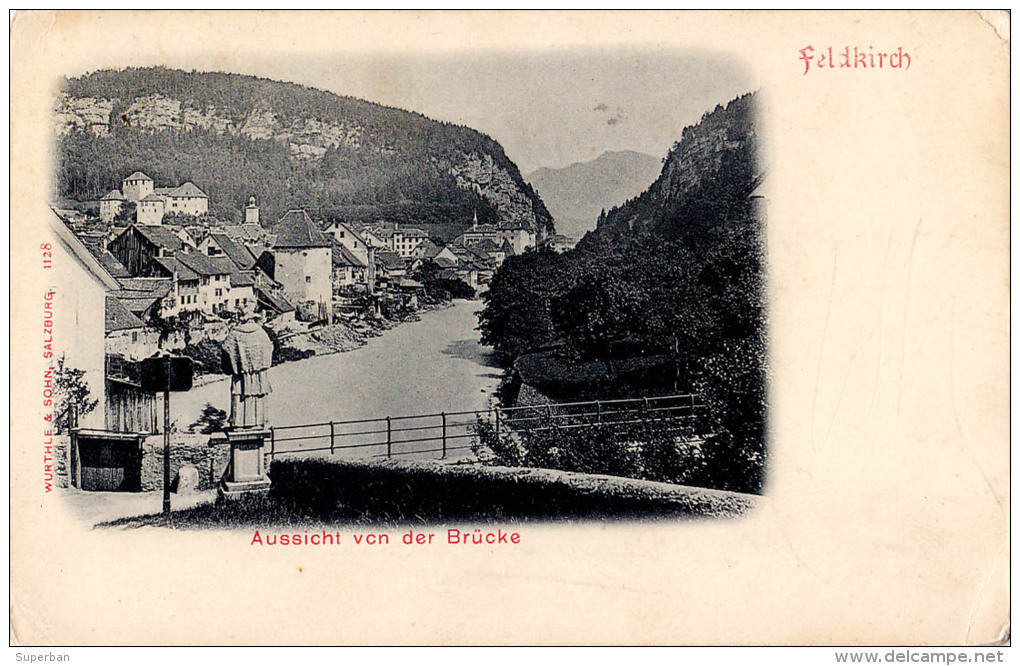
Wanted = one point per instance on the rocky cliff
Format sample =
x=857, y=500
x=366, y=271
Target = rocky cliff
x=292, y=146
x=714, y=167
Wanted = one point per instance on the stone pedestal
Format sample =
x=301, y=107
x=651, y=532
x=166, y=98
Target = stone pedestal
x=247, y=471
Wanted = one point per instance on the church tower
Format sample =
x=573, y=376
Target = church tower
x=251, y=212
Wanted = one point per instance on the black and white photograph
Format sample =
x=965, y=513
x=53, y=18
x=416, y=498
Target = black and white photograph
x=680, y=298
x=345, y=287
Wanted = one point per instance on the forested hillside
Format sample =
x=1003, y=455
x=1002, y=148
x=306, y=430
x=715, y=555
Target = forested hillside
x=292, y=146
x=678, y=272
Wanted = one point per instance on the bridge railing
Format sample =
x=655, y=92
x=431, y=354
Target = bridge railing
x=444, y=433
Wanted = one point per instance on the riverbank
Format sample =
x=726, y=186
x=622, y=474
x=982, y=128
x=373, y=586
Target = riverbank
x=430, y=364
x=336, y=338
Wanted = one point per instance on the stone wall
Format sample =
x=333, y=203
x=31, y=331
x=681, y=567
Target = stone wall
x=209, y=455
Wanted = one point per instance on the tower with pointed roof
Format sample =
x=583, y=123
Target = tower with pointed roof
x=301, y=260
x=137, y=186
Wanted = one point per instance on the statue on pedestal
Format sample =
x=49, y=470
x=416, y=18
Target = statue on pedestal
x=247, y=356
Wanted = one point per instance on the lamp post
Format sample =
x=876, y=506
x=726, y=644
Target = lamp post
x=166, y=443
x=166, y=374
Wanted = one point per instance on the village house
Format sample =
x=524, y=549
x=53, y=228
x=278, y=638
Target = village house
x=148, y=296
x=389, y=269
x=214, y=285
x=466, y=264
x=270, y=299
x=400, y=240
x=349, y=238
x=184, y=293
x=139, y=246
x=348, y=270
x=76, y=309
x=127, y=335
x=517, y=235
x=369, y=235
x=219, y=244
x=301, y=260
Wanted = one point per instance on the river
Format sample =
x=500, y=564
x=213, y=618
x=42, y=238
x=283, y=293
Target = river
x=433, y=365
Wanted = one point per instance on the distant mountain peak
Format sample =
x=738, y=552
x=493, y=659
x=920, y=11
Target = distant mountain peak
x=576, y=194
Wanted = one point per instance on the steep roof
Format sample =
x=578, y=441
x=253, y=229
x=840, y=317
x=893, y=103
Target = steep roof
x=159, y=235
x=412, y=232
x=154, y=197
x=239, y=254
x=81, y=253
x=242, y=279
x=203, y=265
x=119, y=318
x=189, y=189
x=139, y=294
x=139, y=287
x=429, y=249
x=172, y=264
x=390, y=260
x=295, y=230
x=138, y=175
x=113, y=195
x=344, y=257
x=109, y=262
x=273, y=301
x=484, y=245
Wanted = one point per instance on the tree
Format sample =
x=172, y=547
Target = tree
x=71, y=396
x=515, y=318
x=595, y=313
x=211, y=420
x=128, y=213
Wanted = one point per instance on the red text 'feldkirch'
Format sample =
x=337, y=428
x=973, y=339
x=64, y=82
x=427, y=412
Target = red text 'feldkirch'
x=853, y=58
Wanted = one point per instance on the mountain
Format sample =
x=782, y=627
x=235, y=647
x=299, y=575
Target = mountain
x=290, y=145
x=708, y=175
x=575, y=195
x=673, y=281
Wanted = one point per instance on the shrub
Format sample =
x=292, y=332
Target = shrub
x=206, y=355
x=211, y=420
x=656, y=450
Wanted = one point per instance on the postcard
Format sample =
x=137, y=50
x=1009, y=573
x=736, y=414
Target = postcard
x=509, y=328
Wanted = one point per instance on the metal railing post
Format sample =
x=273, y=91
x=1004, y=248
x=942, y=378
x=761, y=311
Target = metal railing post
x=444, y=434
x=272, y=443
x=389, y=438
x=332, y=439
x=497, y=422
x=598, y=406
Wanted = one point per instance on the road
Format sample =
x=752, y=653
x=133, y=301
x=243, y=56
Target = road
x=429, y=366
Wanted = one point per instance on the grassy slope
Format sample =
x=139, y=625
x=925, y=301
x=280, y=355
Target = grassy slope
x=321, y=491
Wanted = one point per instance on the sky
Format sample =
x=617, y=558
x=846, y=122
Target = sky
x=547, y=109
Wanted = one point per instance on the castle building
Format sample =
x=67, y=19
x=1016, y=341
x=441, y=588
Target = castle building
x=153, y=202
